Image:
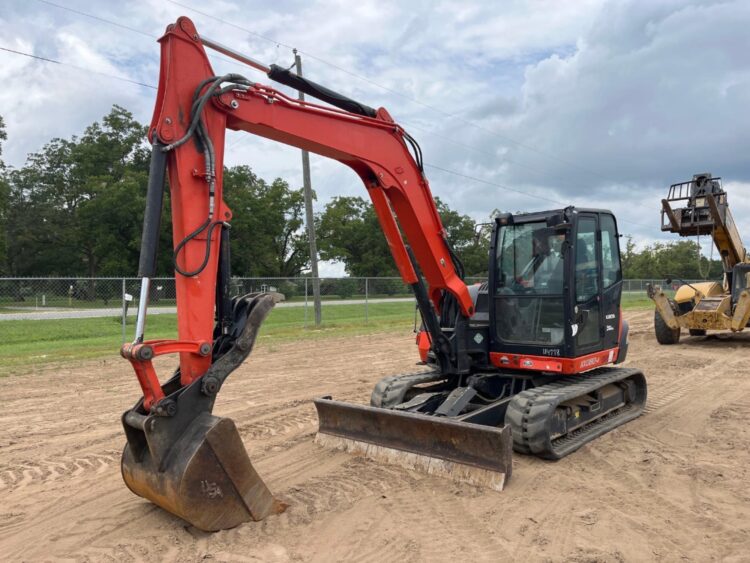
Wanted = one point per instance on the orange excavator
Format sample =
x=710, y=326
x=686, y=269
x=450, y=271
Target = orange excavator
x=516, y=363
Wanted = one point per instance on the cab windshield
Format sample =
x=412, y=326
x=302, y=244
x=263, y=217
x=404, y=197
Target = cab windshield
x=529, y=285
x=529, y=260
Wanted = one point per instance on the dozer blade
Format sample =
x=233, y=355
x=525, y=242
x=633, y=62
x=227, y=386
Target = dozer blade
x=465, y=452
x=206, y=477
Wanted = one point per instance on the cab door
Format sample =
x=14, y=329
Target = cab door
x=597, y=284
x=611, y=280
x=587, y=294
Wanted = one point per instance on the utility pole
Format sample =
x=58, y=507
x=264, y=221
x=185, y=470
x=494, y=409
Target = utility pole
x=309, y=212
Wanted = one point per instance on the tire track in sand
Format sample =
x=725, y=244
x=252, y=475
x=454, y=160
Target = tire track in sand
x=42, y=471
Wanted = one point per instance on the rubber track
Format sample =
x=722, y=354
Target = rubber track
x=390, y=391
x=530, y=412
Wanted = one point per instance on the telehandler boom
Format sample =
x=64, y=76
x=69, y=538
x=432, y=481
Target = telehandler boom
x=514, y=363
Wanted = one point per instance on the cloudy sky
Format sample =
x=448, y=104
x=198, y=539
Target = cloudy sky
x=517, y=105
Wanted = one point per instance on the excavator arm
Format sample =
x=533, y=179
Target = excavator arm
x=369, y=142
x=173, y=439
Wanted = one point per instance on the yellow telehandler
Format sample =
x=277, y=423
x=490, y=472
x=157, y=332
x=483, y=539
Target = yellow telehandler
x=694, y=208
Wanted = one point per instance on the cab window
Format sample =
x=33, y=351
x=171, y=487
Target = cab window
x=587, y=279
x=611, y=272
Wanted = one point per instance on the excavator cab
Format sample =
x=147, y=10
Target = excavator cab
x=555, y=280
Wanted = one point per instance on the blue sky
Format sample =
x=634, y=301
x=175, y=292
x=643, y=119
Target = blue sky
x=595, y=103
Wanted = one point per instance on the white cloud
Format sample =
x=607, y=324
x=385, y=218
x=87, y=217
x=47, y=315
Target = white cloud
x=588, y=102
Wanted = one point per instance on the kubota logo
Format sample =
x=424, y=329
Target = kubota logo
x=590, y=362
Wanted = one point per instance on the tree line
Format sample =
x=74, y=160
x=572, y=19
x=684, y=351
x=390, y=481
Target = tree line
x=75, y=208
x=678, y=259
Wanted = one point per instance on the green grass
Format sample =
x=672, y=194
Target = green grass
x=28, y=343
x=636, y=300
x=25, y=343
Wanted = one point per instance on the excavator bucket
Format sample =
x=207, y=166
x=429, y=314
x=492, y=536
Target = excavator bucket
x=462, y=451
x=190, y=462
x=205, y=478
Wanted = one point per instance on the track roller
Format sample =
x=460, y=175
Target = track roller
x=554, y=420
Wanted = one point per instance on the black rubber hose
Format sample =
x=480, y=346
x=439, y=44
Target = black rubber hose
x=205, y=225
x=152, y=215
x=284, y=76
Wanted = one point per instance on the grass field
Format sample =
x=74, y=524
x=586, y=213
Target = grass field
x=26, y=343
x=11, y=307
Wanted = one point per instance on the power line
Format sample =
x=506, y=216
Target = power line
x=449, y=171
x=86, y=70
x=508, y=188
x=489, y=183
x=504, y=158
x=145, y=34
x=134, y=30
x=467, y=146
x=45, y=59
x=446, y=170
x=116, y=24
x=266, y=38
x=306, y=53
x=391, y=90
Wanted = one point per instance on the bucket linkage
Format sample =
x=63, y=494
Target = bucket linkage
x=188, y=461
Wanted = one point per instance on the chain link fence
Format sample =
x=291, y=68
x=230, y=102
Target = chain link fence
x=64, y=298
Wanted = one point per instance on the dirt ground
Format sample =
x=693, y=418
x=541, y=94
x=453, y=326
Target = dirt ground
x=672, y=485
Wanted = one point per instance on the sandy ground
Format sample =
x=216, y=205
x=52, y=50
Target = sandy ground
x=672, y=485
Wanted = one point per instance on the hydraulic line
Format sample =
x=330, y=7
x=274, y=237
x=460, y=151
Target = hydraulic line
x=197, y=128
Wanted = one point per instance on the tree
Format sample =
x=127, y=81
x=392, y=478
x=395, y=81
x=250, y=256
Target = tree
x=78, y=208
x=350, y=232
x=471, y=246
x=678, y=259
x=266, y=225
x=78, y=203
x=4, y=198
x=628, y=256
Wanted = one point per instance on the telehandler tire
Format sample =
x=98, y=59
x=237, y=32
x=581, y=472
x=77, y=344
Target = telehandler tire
x=664, y=334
